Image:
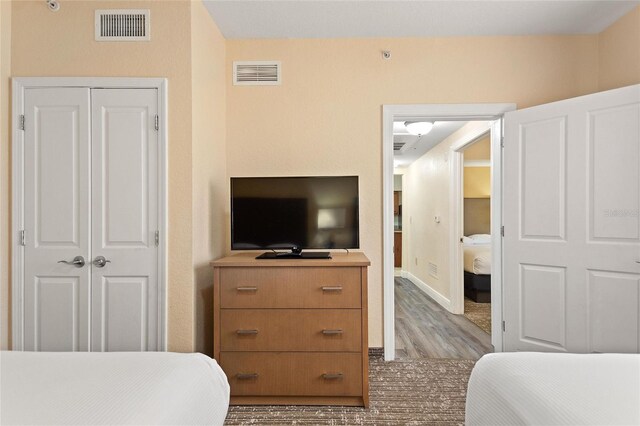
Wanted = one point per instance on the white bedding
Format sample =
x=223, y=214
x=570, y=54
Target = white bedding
x=554, y=389
x=477, y=259
x=111, y=388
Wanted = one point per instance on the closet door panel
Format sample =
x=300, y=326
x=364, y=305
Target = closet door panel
x=56, y=219
x=125, y=220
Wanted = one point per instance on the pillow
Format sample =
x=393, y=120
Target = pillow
x=476, y=239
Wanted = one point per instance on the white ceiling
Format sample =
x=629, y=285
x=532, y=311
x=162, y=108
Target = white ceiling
x=241, y=19
x=417, y=146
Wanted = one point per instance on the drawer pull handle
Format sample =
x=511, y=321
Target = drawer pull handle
x=330, y=288
x=332, y=376
x=246, y=376
x=337, y=331
x=246, y=331
x=247, y=288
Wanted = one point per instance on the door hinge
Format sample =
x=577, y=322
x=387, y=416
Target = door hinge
x=157, y=122
x=504, y=326
x=157, y=238
x=22, y=238
x=501, y=141
x=21, y=122
x=502, y=230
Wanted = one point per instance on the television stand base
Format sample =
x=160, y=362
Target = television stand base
x=292, y=255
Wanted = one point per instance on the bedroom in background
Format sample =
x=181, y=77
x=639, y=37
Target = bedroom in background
x=476, y=242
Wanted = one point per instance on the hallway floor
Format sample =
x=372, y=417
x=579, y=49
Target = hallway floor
x=424, y=329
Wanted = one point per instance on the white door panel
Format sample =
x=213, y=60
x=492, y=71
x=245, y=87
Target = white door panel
x=571, y=245
x=56, y=220
x=124, y=308
x=125, y=220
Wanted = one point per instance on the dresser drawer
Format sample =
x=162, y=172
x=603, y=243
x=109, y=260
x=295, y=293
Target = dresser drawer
x=312, y=330
x=291, y=287
x=287, y=374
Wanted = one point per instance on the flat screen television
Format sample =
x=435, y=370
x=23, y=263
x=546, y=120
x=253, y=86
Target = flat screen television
x=294, y=213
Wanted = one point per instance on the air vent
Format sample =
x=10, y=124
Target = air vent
x=433, y=270
x=397, y=146
x=257, y=73
x=123, y=25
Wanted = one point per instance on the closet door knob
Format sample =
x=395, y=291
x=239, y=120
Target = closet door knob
x=77, y=261
x=100, y=261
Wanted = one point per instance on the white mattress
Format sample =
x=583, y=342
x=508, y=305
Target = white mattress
x=111, y=388
x=554, y=389
x=477, y=259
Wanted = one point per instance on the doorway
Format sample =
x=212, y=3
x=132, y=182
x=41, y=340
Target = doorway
x=89, y=203
x=475, y=209
x=451, y=298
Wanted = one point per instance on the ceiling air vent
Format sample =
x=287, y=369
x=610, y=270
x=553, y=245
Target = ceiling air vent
x=123, y=25
x=256, y=73
x=397, y=146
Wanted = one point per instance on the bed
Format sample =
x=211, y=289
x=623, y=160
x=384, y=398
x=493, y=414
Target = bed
x=552, y=389
x=477, y=267
x=111, y=388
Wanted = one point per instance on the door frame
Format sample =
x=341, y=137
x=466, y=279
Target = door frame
x=466, y=112
x=19, y=85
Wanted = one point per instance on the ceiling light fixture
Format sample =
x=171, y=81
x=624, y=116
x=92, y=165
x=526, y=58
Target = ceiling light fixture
x=418, y=128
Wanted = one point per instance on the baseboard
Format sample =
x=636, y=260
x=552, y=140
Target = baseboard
x=429, y=291
x=398, y=272
x=405, y=274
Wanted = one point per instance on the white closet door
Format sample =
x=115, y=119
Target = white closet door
x=56, y=220
x=125, y=305
x=572, y=228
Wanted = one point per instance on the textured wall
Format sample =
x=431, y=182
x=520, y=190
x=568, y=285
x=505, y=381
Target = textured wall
x=619, y=52
x=5, y=160
x=210, y=198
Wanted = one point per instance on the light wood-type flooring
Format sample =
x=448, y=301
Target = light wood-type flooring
x=424, y=329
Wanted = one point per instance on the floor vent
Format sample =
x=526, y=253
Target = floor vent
x=123, y=25
x=257, y=73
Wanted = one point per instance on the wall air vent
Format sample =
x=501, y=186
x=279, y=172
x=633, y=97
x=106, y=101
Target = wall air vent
x=257, y=73
x=123, y=25
x=433, y=270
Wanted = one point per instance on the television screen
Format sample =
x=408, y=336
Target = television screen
x=284, y=212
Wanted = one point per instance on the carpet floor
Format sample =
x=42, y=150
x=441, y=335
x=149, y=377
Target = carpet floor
x=478, y=313
x=402, y=392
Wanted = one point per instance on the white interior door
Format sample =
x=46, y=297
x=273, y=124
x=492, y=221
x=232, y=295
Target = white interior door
x=56, y=219
x=125, y=297
x=572, y=225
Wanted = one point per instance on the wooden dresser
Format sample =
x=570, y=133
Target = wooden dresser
x=293, y=331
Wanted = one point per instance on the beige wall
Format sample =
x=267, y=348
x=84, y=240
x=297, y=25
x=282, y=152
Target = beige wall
x=480, y=150
x=5, y=129
x=61, y=44
x=326, y=116
x=477, y=216
x=477, y=182
x=210, y=199
x=425, y=193
x=619, y=52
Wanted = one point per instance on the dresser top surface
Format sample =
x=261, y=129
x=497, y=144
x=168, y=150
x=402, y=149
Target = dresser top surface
x=248, y=259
